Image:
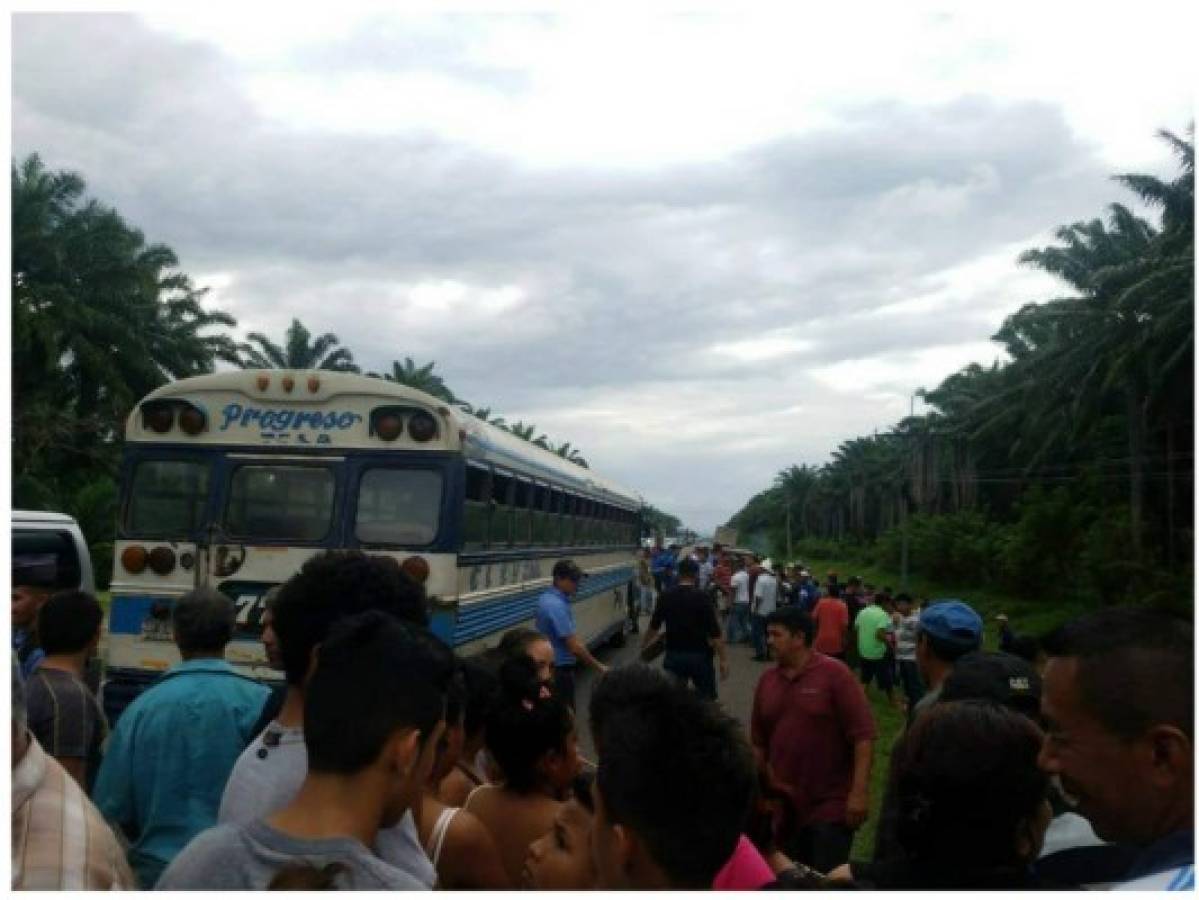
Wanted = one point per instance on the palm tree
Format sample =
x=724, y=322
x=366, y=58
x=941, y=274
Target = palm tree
x=528, y=433
x=100, y=318
x=1120, y=346
x=419, y=377
x=300, y=352
x=569, y=453
x=482, y=412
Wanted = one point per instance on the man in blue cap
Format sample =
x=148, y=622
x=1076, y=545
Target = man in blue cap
x=949, y=629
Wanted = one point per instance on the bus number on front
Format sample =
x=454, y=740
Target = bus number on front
x=249, y=610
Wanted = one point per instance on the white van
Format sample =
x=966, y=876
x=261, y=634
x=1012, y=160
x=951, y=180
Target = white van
x=49, y=548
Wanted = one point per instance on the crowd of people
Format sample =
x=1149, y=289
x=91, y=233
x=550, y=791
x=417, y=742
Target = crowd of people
x=386, y=761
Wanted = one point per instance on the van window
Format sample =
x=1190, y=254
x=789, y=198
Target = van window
x=45, y=559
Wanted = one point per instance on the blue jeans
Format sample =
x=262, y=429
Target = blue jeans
x=646, y=599
x=694, y=666
x=738, y=622
x=909, y=676
x=758, y=632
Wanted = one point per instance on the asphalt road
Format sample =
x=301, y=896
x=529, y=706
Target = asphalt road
x=735, y=695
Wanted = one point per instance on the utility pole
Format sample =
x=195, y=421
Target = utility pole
x=903, y=513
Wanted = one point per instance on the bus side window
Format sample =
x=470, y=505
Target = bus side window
x=501, y=509
x=556, y=517
x=587, y=521
x=398, y=506
x=477, y=511
x=541, y=518
x=569, y=519
x=522, y=508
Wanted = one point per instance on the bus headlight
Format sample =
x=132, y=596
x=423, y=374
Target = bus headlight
x=422, y=426
x=388, y=425
x=158, y=417
x=192, y=420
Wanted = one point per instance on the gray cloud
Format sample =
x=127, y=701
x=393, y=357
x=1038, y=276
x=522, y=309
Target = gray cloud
x=614, y=278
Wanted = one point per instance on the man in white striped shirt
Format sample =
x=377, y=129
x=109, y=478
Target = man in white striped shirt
x=59, y=839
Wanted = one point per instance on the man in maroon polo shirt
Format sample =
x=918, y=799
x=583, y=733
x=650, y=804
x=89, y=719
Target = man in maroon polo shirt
x=812, y=730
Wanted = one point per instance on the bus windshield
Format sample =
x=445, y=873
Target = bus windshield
x=280, y=502
x=168, y=497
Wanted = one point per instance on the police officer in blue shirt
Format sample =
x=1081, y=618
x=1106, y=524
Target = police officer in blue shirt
x=556, y=621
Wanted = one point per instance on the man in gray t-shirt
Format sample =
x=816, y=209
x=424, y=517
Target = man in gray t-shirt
x=268, y=775
x=247, y=857
x=369, y=752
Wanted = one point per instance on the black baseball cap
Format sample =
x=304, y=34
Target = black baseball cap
x=566, y=568
x=1001, y=677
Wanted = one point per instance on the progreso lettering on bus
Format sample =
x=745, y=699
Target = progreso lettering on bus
x=287, y=419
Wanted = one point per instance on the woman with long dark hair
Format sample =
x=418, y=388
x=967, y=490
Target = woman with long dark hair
x=530, y=734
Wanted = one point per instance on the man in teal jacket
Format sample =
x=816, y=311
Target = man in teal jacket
x=171, y=752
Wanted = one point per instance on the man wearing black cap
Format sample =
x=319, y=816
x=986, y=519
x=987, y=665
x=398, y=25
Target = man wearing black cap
x=556, y=621
x=1071, y=853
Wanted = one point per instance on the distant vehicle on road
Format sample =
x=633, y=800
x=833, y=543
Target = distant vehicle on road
x=234, y=479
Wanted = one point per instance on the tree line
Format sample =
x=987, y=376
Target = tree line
x=1067, y=469
x=101, y=317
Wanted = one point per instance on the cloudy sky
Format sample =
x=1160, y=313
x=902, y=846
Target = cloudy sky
x=701, y=247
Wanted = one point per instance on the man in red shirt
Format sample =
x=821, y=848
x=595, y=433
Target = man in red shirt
x=831, y=618
x=812, y=731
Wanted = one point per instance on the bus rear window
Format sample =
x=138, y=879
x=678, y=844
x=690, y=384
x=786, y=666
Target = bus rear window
x=168, y=498
x=292, y=503
x=398, y=506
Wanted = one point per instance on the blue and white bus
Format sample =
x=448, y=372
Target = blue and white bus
x=234, y=479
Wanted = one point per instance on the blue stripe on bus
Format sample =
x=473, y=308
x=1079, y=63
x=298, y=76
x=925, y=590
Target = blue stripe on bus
x=477, y=620
x=1184, y=880
x=130, y=611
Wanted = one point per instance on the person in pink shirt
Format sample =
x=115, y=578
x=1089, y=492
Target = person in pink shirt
x=746, y=870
